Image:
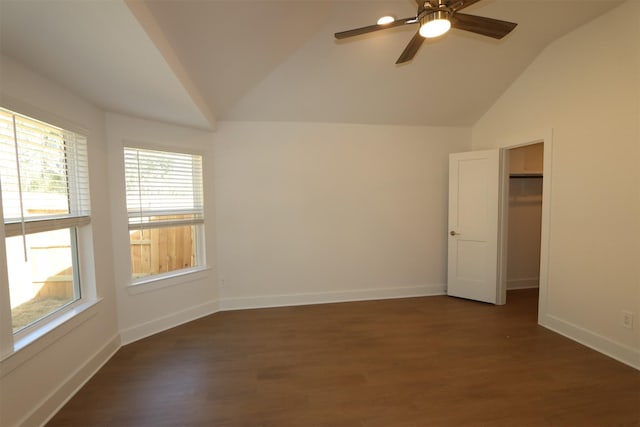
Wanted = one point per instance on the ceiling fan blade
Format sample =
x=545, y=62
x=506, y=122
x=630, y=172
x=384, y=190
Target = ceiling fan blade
x=461, y=4
x=479, y=24
x=375, y=27
x=411, y=49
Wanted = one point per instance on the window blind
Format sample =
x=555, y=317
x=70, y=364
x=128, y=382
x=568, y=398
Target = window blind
x=44, y=176
x=163, y=188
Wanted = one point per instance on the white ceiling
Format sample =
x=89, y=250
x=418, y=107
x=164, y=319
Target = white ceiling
x=98, y=50
x=188, y=61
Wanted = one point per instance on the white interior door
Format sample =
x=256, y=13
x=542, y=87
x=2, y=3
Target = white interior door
x=474, y=196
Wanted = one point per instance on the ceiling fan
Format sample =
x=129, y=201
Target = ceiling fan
x=436, y=17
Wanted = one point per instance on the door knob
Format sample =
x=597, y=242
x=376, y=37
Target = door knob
x=453, y=233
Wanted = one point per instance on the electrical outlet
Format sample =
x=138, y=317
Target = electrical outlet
x=627, y=319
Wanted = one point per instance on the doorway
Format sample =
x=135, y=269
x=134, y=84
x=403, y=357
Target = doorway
x=541, y=147
x=524, y=219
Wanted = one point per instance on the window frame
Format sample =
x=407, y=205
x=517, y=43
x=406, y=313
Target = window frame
x=176, y=277
x=46, y=330
x=78, y=284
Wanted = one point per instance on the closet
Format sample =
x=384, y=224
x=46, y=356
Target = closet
x=524, y=216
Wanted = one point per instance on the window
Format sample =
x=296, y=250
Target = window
x=45, y=205
x=165, y=210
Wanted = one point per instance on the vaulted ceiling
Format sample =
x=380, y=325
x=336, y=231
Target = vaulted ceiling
x=195, y=62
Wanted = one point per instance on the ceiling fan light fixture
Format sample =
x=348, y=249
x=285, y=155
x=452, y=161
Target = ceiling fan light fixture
x=435, y=24
x=388, y=19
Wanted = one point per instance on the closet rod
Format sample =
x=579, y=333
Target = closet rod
x=526, y=176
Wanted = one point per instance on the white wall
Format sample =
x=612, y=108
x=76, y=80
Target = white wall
x=304, y=213
x=147, y=309
x=585, y=87
x=36, y=380
x=310, y=212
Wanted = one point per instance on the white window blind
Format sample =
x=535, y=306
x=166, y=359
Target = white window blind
x=164, y=189
x=44, y=176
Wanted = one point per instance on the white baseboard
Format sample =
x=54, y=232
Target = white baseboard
x=329, y=297
x=50, y=405
x=523, y=283
x=143, y=330
x=621, y=353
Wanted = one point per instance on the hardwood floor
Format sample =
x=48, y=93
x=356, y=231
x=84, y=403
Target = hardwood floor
x=435, y=361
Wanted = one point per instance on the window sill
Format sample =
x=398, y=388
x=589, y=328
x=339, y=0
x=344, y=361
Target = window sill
x=160, y=281
x=32, y=343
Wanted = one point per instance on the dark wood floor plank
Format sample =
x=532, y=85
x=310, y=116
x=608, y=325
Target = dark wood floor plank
x=434, y=361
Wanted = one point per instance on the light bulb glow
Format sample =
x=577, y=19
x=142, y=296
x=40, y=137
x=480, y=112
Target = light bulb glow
x=435, y=28
x=386, y=20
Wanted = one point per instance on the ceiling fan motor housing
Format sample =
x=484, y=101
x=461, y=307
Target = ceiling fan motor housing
x=435, y=23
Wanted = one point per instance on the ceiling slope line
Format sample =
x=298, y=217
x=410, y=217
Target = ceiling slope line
x=143, y=15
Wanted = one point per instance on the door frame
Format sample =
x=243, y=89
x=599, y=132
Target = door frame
x=541, y=136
